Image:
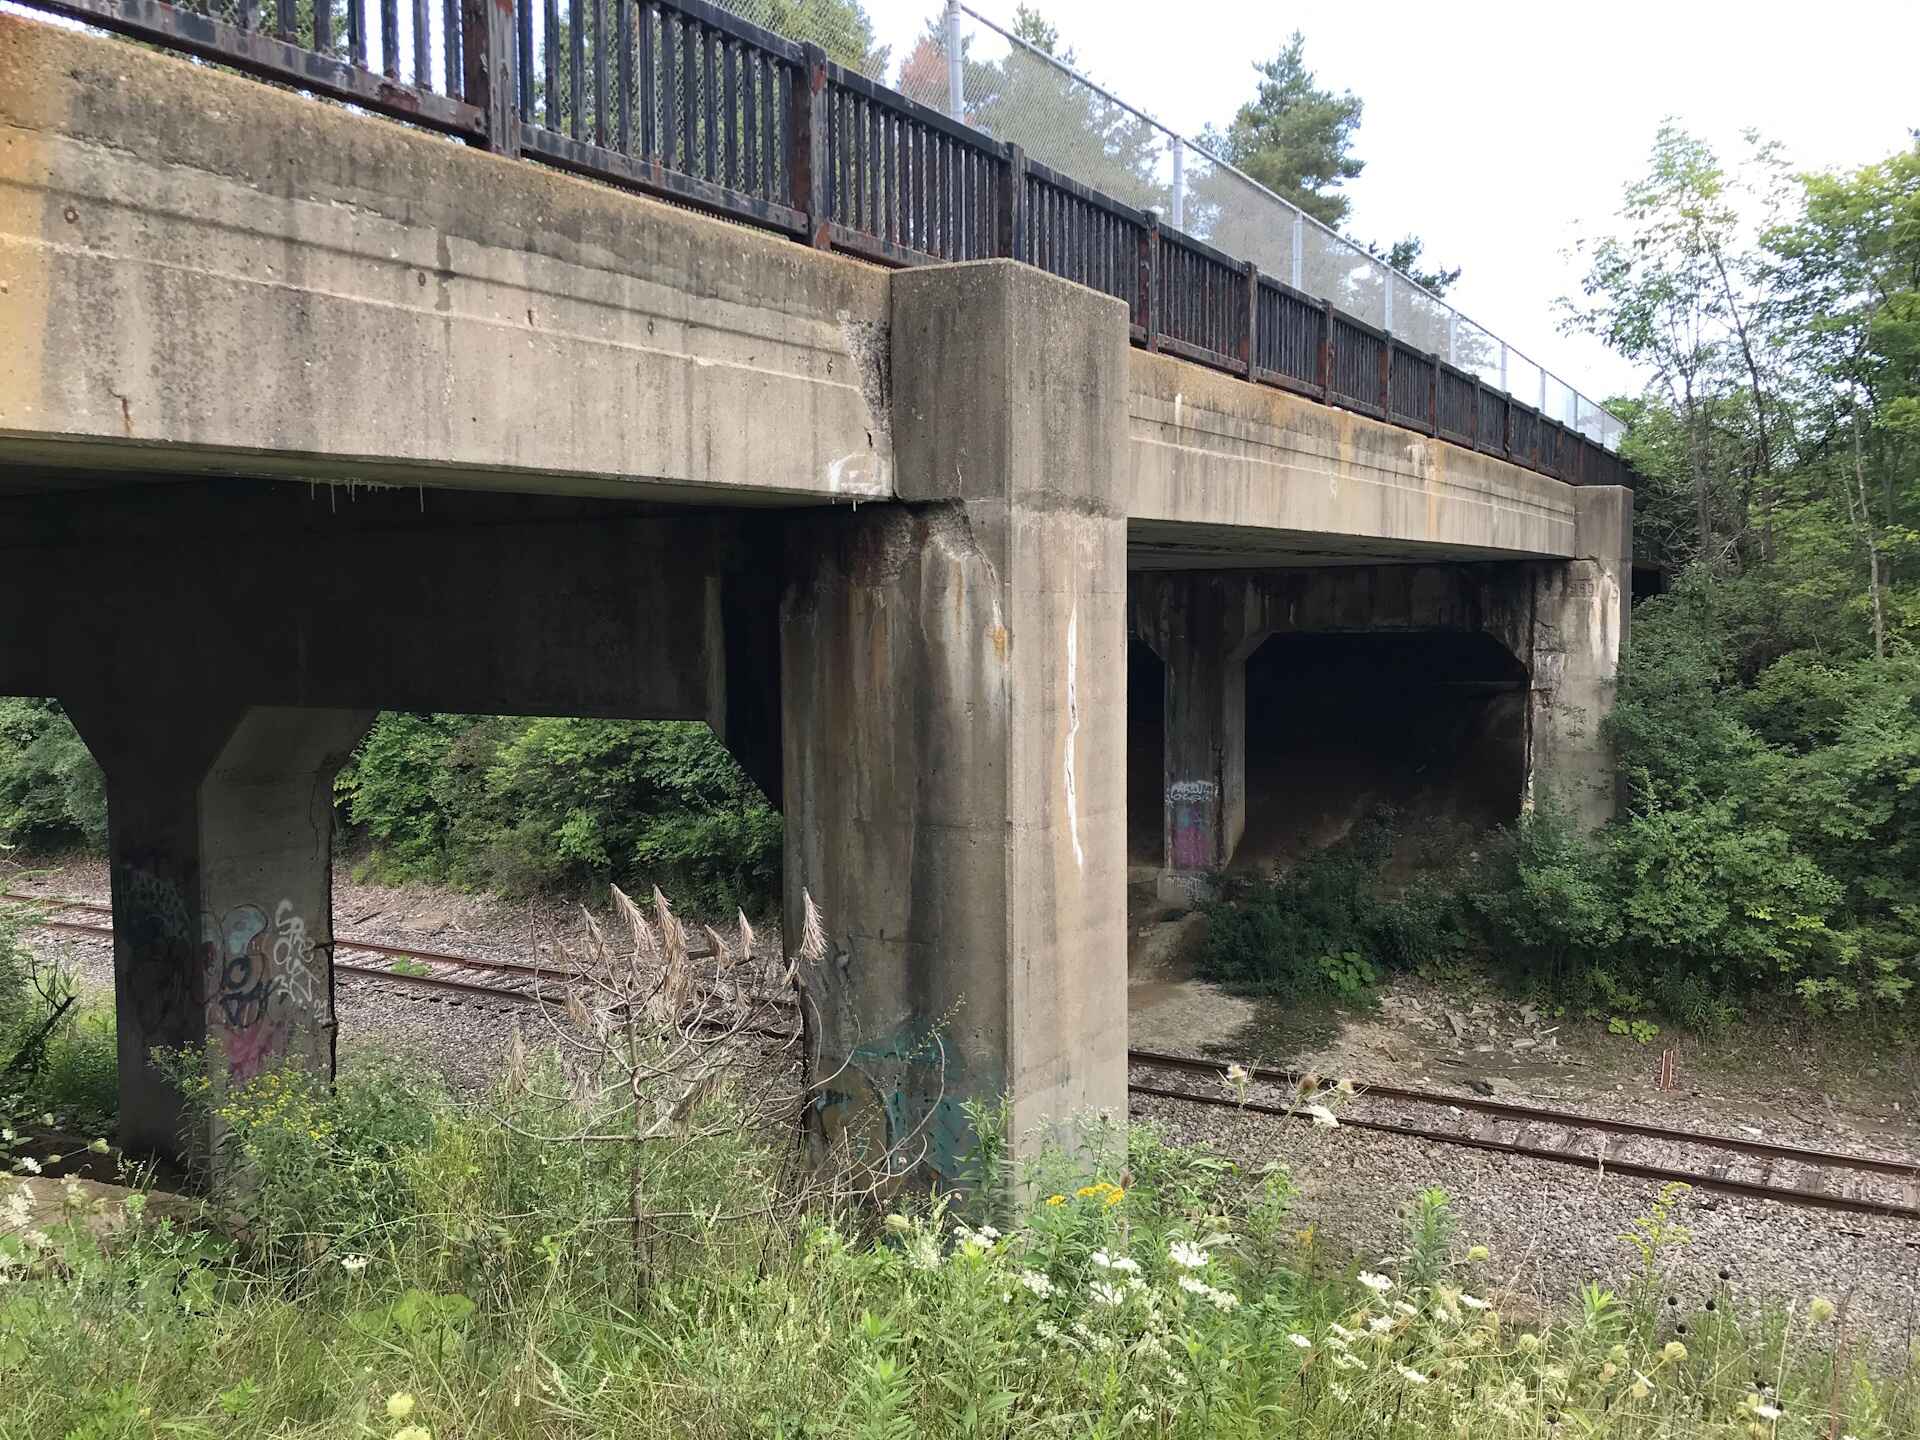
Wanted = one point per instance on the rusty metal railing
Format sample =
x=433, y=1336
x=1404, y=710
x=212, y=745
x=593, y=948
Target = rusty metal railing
x=685, y=100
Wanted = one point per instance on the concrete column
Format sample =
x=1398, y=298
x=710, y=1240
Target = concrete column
x=1580, y=616
x=954, y=729
x=220, y=824
x=1196, y=624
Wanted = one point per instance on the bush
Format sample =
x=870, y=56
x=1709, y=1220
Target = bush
x=521, y=805
x=52, y=794
x=1327, y=927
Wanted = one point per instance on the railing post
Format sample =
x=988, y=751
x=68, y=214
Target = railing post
x=487, y=46
x=1386, y=378
x=1506, y=423
x=1299, y=245
x=956, y=76
x=1250, y=337
x=1010, y=237
x=1476, y=411
x=1326, y=351
x=1179, y=183
x=807, y=160
x=1149, y=265
x=1433, y=394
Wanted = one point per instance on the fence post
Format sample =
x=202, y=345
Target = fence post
x=1476, y=411
x=1433, y=394
x=956, y=81
x=1326, y=351
x=1250, y=339
x=1010, y=225
x=807, y=158
x=1149, y=264
x=1299, y=245
x=1506, y=423
x=1386, y=378
x=1179, y=183
x=486, y=44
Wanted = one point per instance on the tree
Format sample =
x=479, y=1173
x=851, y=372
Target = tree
x=1294, y=137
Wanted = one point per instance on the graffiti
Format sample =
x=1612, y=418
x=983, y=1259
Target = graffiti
x=265, y=987
x=236, y=950
x=1073, y=729
x=1193, y=808
x=294, y=975
x=163, y=984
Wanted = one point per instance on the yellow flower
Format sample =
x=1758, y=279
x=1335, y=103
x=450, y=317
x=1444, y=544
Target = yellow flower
x=1056, y=1199
x=1673, y=1352
x=400, y=1406
x=1821, y=1309
x=413, y=1432
x=1099, y=1187
x=1114, y=1196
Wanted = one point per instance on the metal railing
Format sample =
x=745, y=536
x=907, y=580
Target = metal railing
x=685, y=100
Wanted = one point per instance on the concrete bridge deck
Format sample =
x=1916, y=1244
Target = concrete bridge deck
x=875, y=527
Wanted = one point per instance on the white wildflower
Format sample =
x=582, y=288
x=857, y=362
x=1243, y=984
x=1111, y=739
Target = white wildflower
x=1125, y=1265
x=1224, y=1299
x=1238, y=1074
x=1767, y=1412
x=28, y=1164
x=1193, y=1286
x=1379, y=1284
x=1348, y=1361
x=1340, y=1392
x=1380, y=1324
x=1473, y=1302
x=354, y=1264
x=1101, y=1260
x=1405, y=1309
x=1105, y=1294
x=1036, y=1283
x=1341, y=1331
x=1300, y=1341
x=1322, y=1117
x=1187, y=1255
x=1411, y=1375
x=923, y=1253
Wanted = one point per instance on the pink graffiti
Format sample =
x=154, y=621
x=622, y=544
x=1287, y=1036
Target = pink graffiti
x=250, y=1051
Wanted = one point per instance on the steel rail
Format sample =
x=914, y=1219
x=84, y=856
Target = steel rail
x=1152, y=1059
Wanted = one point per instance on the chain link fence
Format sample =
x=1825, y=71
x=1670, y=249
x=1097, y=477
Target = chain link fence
x=967, y=66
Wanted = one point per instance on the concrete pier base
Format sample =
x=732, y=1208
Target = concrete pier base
x=953, y=675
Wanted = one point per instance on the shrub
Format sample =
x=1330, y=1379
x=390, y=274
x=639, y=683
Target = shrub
x=52, y=793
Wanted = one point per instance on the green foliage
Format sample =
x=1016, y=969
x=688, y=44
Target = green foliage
x=51, y=792
x=1296, y=138
x=1327, y=927
x=519, y=805
x=487, y=1290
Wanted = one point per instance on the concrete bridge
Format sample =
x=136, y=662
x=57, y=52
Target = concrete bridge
x=304, y=414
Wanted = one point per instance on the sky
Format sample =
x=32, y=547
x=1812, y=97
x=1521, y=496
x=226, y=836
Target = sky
x=1500, y=133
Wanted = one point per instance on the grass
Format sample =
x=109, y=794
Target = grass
x=396, y=1266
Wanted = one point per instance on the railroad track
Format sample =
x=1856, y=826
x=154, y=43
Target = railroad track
x=1795, y=1175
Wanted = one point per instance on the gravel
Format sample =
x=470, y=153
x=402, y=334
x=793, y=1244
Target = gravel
x=1550, y=1228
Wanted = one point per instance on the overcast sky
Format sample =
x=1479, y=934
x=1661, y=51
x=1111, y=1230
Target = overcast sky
x=1500, y=132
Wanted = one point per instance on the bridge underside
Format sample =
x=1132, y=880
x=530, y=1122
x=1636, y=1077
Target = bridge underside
x=620, y=441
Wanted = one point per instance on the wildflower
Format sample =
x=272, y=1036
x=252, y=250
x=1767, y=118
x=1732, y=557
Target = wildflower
x=1056, y=1199
x=1381, y=1324
x=898, y=1224
x=46, y=1118
x=1345, y=1087
x=1341, y=1332
x=1340, y=1392
x=1411, y=1375
x=353, y=1265
x=28, y=1164
x=1126, y=1266
x=1097, y=1188
x=1379, y=1284
x=1114, y=1196
x=1767, y=1412
x=1300, y=1341
x=1187, y=1255
x=1036, y=1283
x=1673, y=1352
x=923, y=1253
x=1528, y=1344
x=1609, y=1370
x=1193, y=1286
x=1473, y=1302
x=1642, y=1387
x=413, y=1432
x=1402, y=1307
x=1106, y=1294
x=399, y=1406
x=1224, y=1299
x=1347, y=1361
x=1476, y=1253
x=1323, y=1118
x=98, y=1147
x=1101, y=1260
x=1821, y=1310
x=1618, y=1354
x=1238, y=1074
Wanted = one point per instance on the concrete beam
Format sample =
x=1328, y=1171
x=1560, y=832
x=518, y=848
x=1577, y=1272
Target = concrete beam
x=200, y=272
x=955, y=690
x=1222, y=472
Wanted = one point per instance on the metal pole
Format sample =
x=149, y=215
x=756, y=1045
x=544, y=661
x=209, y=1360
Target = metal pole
x=1299, y=244
x=1179, y=183
x=1542, y=406
x=1503, y=368
x=956, y=82
x=1453, y=337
